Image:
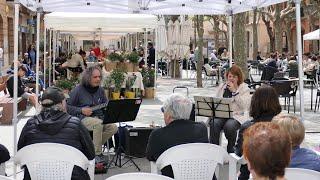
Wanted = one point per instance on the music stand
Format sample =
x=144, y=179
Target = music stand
x=213, y=107
x=118, y=111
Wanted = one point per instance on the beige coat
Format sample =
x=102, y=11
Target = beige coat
x=240, y=103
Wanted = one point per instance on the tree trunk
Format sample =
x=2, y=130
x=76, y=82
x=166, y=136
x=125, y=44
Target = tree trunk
x=200, y=49
x=195, y=33
x=278, y=29
x=269, y=31
x=240, y=56
x=255, y=35
x=289, y=37
x=216, y=33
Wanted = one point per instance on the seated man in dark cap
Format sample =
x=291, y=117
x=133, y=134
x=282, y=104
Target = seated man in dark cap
x=54, y=125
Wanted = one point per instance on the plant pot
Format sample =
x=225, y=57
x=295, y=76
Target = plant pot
x=135, y=68
x=130, y=94
x=129, y=66
x=149, y=93
x=115, y=95
x=109, y=66
x=122, y=66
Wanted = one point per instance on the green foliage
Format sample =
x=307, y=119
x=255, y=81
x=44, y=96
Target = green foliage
x=115, y=57
x=107, y=82
x=117, y=76
x=133, y=57
x=130, y=82
x=148, y=76
x=67, y=84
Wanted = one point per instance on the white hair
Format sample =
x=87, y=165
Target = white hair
x=178, y=106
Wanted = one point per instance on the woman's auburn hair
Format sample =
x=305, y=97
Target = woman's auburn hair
x=236, y=71
x=267, y=147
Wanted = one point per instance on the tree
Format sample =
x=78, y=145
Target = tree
x=215, y=21
x=255, y=34
x=199, y=26
x=240, y=39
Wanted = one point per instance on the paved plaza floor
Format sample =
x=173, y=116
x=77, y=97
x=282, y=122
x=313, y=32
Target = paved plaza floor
x=150, y=113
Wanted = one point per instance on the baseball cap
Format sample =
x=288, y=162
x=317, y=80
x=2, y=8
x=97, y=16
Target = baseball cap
x=52, y=96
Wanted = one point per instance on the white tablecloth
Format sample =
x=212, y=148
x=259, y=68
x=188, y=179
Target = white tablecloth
x=138, y=83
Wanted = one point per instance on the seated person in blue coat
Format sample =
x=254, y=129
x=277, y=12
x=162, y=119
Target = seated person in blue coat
x=300, y=157
x=178, y=130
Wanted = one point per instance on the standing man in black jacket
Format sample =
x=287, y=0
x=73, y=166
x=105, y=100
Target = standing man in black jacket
x=152, y=55
x=54, y=125
x=178, y=130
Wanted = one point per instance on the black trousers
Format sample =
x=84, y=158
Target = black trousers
x=229, y=127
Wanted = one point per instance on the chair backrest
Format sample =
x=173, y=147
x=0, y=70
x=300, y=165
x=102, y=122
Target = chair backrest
x=140, y=176
x=50, y=161
x=207, y=68
x=298, y=174
x=268, y=73
x=193, y=161
x=5, y=178
x=283, y=87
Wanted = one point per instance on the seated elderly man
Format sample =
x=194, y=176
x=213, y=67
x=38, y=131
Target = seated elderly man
x=178, y=130
x=55, y=125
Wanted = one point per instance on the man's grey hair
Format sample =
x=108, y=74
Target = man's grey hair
x=87, y=74
x=178, y=106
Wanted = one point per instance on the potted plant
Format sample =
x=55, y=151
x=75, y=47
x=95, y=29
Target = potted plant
x=130, y=94
x=148, y=82
x=133, y=58
x=107, y=85
x=113, y=59
x=117, y=76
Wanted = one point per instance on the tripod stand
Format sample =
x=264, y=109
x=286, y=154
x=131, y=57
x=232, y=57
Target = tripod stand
x=118, y=111
x=120, y=149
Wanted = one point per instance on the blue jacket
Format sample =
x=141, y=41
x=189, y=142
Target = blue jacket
x=305, y=158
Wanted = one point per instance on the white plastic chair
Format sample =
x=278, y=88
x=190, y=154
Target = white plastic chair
x=210, y=73
x=298, y=174
x=2, y=169
x=52, y=161
x=5, y=178
x=139, y=176
x=195, y=161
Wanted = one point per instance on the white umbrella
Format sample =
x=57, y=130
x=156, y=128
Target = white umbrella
x=161, y=36
x=170, y=37
x=176, y=38
x=186, y=33
x=314, y=35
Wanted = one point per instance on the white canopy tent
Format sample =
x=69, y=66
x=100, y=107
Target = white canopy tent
x=314, y=35
x=163, y=7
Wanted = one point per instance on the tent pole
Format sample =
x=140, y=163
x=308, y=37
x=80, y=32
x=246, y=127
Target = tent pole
x=230, y=39
x=137, y=41
x=15, y=84
x=156, y=43
x=145, y=46
x=54, y=56
x=38, y=52
x=50, y=55
x=299, y=47
x=44, y=55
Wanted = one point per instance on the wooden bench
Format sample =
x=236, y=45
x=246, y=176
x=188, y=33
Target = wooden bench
x=6, y=102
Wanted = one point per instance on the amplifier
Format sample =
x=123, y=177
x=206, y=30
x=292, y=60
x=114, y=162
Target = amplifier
x=136, y=140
